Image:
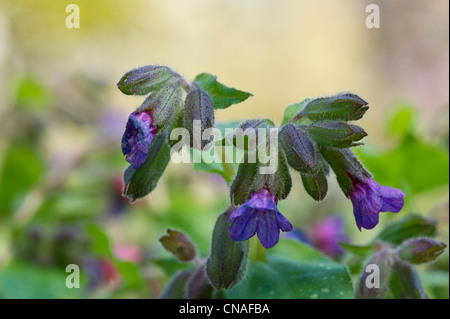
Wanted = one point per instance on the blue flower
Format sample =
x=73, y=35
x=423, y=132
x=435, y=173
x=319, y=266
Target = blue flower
x=370, y=198
x=138, y=136
x=259, y=215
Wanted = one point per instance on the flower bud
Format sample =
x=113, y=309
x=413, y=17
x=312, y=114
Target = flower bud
x=316, y=185
x=421, y=250
x=242, y=185
x=177, y=286
x=279, y=182
x=299, y=148
x=405, y=282
x=198, y=112
x=375, y=276
x=144, y=80
x=345, y=165
x=335, y=134
x=198, y=286
x=137, y=138
x=179, y=245
x=163, y=104
x=343, y=106
x=228, y=260
x=140, y=182
x=245, y=136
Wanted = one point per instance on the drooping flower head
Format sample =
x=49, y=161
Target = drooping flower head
x=327, y=234
x=370, y=198
x=138, y=136
x=259, y=215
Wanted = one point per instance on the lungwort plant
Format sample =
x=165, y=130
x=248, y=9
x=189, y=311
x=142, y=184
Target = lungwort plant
x=257, y=159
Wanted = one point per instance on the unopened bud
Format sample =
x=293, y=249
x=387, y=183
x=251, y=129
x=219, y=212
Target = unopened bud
x=245, y=136
x=405, y=282
x=299, y=148
x=177, y=286
x=227, y=263
x=144, y=80
x=345, y=165
x=179, y=245
x=163, y=104
x=343, y=106
x=421, y=250
x=375, y=276
x=198, y=286
x=243, y=183
x=198, y=109
x=279, y=182
x=335, y=134
x=316, y=185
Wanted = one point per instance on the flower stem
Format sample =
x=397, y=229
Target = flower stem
x=227, y=167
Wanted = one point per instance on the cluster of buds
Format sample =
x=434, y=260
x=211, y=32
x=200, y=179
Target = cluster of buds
x=316, y=138
x=313, y=140
x=145, y=141
x=395, y=272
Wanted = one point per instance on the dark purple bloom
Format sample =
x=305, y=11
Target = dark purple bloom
x=259, y=215
x=370, y=198
x=327, y=234
x=138, y=136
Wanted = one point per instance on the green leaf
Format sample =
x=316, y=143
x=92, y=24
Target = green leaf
x=31, y=94
x=130, y=273
x=416, y=164
x=407, y=227
x=171, y=265
x=27, y=281
x=22, y=168
x=404, y=120
x=362, y=251
x=294, y=270
x=99, y=241
x=221, y=95
x=293, y=109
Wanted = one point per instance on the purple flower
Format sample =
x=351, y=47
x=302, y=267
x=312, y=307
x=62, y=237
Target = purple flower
x=327, y=234
x=138, y=136
x=259, y=215
x=370, y=198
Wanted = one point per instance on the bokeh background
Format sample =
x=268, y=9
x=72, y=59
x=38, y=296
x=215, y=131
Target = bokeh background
x=62, y=118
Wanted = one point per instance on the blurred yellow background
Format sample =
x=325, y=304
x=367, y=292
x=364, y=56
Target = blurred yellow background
x=281, y=51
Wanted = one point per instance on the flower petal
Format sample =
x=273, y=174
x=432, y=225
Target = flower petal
x=262, y=200
x=244, y=226
x=283, y=222
x=392, y=199
x=366, y=205
x=268, y=231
